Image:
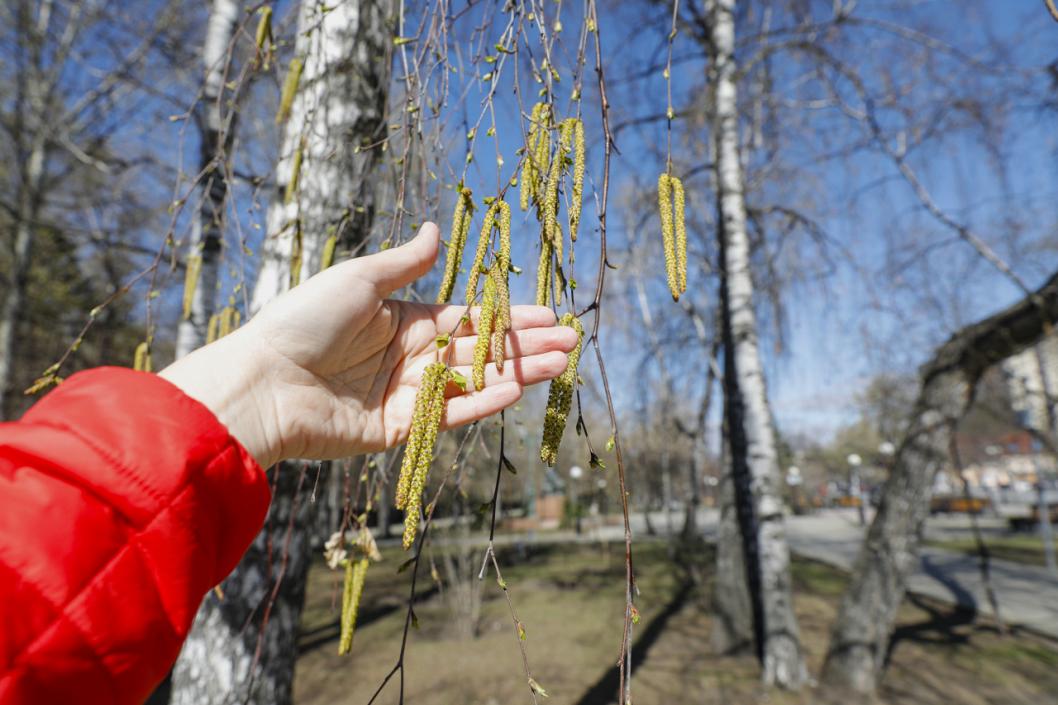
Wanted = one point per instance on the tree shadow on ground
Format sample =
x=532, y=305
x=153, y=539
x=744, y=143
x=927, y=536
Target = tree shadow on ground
x=604, y=691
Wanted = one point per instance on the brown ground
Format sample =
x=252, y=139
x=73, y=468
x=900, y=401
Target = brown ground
x=570, y=599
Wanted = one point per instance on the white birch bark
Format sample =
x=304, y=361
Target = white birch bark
x=754, y=459
x=207, y=235
x=341, y=102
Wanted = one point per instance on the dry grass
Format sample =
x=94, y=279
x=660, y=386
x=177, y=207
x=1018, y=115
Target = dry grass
x=570, y=599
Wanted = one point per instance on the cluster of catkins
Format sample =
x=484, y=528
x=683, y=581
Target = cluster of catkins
x=542, y=173
x=673, y=232
x=418, y=453
x=560, y=396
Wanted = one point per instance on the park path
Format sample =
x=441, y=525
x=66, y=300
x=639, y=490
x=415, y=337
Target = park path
x=1027, y=595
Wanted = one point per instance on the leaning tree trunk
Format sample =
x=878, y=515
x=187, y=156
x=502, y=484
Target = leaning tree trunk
x=860, y=639
x=754, y=461
x=242, y=648
x=215, y=138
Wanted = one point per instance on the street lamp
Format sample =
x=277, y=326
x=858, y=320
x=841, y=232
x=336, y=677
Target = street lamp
x=575, y=473
x=855, y=486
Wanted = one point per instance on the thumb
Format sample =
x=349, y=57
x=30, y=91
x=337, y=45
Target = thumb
x=392, y=269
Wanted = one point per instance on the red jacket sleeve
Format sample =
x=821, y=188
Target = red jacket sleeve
x=122, y=502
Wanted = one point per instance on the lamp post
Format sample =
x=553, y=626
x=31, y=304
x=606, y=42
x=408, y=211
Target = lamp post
x=855, y=486
x=575, y=474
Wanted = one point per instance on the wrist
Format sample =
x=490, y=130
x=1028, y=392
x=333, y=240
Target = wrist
x=225, y=378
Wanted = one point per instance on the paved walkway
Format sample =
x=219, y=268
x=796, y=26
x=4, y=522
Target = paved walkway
x=1027, y=595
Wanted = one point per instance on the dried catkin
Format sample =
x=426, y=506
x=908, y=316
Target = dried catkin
x=142, y=359
x=329, y=246
x=577, y=197
x=486, y=319
x=560, y=396
x=290, y=88
x=668, y=237
x=355, y=574
x=418, y=454
x=681, y=232
x=457, y=240
x=194, y=269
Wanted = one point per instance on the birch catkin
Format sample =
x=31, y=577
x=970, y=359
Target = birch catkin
x=560, y=396
x=577, y=197
x=681, y=232
x=501, y=317
x=142, y=359
x=486, y=320
x=418, y=454
x=457, y=239
x=497, y=216
x=290, y=89
x=543, y=275
x=355, y=574
x=327, y=258
x=194, y=269
x=673, y=233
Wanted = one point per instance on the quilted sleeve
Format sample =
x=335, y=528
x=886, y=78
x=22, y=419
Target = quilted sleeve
x=122, y=502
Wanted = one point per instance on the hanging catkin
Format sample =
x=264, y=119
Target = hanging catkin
x=577, y=196
x=355, y=574
x=295, y=255
x=290, y=88
x=194, y=269
x=673, y=233
x=142, y=359
x=457, y=240
x=681, y=232
x=329, y=246
x=501, y=317
x=543, y=274
x=486, y=320
x=560, y=396
x=497, y=216
x=418, y=454
x=295, y=173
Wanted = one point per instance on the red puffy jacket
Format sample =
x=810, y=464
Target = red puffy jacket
x=122, y=502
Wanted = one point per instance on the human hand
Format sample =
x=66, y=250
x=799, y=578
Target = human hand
x=331, y=367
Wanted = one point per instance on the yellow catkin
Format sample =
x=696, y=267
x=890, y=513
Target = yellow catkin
x=224, y=324
x=290, y=88
x=501, y=268
x=457, y=241
x=668, y=237
x=194, y=269
x=528, y=181
x=142, y=359
x=558, y=164
x=420, y=414
x=543, y=275
x=295, y=256
x=264, y=34
x=503, y=211
x=681, y=232
x=577, y=198
x=327, y=258
x=355, y=574
x=541, y=152
x=485, y=325
x=432, y=398
x=211, y=329
x=560, y=396
x=295, y=173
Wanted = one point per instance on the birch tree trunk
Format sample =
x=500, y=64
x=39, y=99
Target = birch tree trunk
x=242, y=649
x=208, y=233
x=754, y=461
x=860, y=638
x=30, y=133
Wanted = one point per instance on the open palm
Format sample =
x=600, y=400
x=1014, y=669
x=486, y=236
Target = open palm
x=337, y=364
